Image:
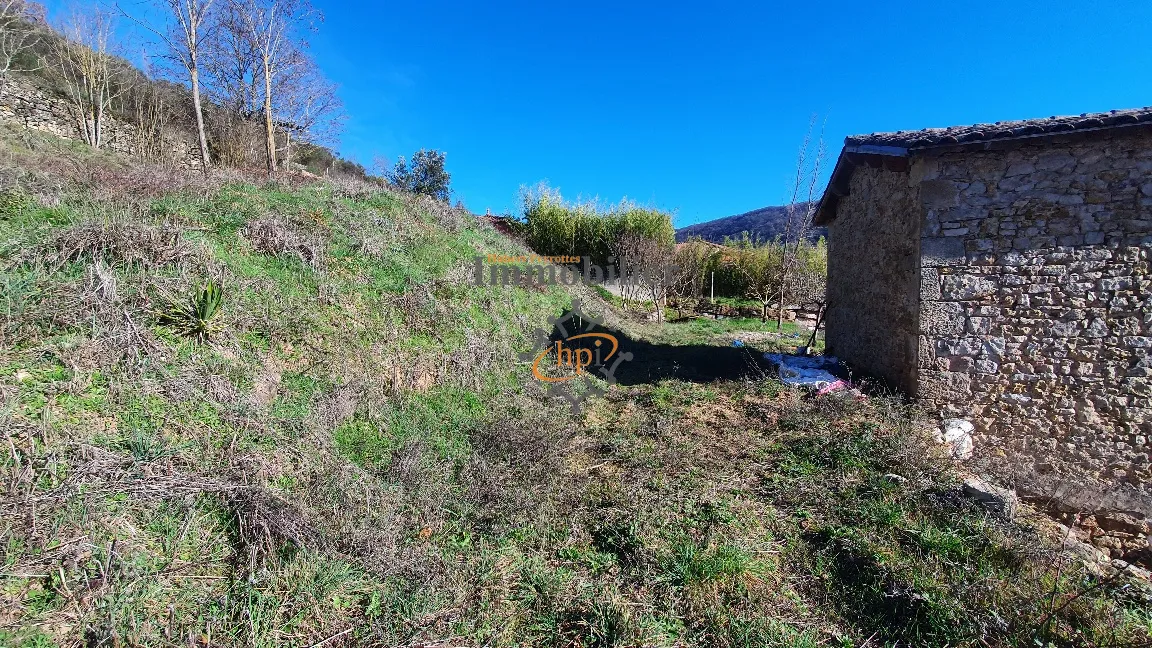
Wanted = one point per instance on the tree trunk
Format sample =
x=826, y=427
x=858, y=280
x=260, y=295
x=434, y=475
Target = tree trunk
x=820, y=308
x=195, y=74
x=270, y=133
x=86, y=125
x=97, y=124
x=780, y=311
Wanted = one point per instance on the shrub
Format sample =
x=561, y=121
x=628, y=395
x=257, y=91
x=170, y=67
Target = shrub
x=275, y=237
x=118, y=241
x=425, y=175
x=554, y=227
x=744, y=268
x=193, y=317
x=323, y=161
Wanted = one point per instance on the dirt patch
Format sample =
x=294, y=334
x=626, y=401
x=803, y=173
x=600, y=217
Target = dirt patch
x=267, y=383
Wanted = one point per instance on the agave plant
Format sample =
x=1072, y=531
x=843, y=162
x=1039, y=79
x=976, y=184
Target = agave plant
x=192, y=317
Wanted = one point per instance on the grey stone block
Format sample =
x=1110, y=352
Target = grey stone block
x=941, y=251
x=929, y=284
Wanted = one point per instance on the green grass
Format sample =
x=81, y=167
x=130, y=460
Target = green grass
x=440, y=421
x=689, y=563
x=701, y=327
x=356, y=448
x=755, y=332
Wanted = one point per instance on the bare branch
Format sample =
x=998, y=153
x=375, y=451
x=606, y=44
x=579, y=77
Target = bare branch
x=85, y=64
x=21, y=26
x=274, y=28
x=184, y=39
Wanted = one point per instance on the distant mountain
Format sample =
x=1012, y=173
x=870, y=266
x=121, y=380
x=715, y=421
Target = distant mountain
x=766, y=223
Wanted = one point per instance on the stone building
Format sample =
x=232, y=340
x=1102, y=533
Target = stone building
x=1000, y=273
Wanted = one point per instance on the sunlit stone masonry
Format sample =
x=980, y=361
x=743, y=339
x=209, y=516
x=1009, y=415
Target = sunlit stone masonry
x=1000, y=273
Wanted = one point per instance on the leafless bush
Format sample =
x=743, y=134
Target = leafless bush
x=45, y=166
x=265, y=521
x=374, y=247
x=518, y=471
x=646, y=269
x=353, y=187
x=36, y=186
x=377, y=234
x=336, y=408
x=419, y=308
x=118, y=241
x=372, y=525
x=136, y=183
x=276, y=237
x=467, y=364
x=460, y=274
x=36, y=304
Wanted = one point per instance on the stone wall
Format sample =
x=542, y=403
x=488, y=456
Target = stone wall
x=25, y=104
x=1035, y=315
x=873, y=258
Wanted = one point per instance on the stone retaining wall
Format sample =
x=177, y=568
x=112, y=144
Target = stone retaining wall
x=26, y=105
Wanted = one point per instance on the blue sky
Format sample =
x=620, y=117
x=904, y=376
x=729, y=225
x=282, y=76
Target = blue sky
x=700, y=108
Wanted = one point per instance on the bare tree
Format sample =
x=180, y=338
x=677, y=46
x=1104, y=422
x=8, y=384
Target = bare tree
x=760, y=267
x=87, y=70
x=184, y=37
x=623, y=255
x=659, y=272
x=152, y=111
x=308, y=106
x=20, y=25
x=274, y=28
x=692, y=261
x=231, y=65
x=231, y=61
x=799, y=215
x=646, y=269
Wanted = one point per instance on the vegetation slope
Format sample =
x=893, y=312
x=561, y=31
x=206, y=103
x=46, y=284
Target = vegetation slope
x=354, y=456
x=764, y=224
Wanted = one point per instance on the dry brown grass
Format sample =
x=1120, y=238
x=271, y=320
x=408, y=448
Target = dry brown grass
x=119, y=241
x=40, y=307
x=276, y=236
x=448, y=217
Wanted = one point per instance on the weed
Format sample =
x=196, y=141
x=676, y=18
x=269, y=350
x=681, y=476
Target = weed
x=274, y=237
x=619, y=538
x=193, y=316
x=597, y=624
x=689, y=563
x=757, y=632
x=145, y=447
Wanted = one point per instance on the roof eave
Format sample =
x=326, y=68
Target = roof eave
x=851, y=156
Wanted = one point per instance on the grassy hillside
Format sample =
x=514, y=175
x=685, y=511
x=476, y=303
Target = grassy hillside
x=764, y=224
x=355, y=457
